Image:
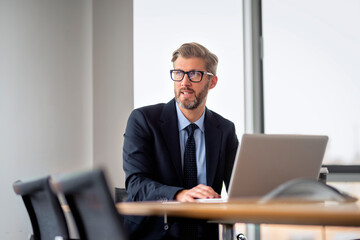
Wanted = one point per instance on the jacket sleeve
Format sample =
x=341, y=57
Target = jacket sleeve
x=232, y=146
x=139, y=162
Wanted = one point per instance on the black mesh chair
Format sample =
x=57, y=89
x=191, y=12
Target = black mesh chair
x=46, y=215
x=120, y=195
x=91, y=204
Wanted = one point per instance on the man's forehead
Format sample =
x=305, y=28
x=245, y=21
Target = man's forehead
x=188, y=62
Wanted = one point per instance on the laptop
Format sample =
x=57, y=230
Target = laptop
x=265, y=161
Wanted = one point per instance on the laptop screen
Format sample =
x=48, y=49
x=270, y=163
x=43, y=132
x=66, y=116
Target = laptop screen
x=265, y=161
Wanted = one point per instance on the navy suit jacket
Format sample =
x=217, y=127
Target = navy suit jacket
x=153, y=166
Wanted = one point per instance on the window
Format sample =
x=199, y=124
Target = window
x=311, y=78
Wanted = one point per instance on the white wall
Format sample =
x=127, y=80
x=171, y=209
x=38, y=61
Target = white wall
x=113, y=83
x=47, y=95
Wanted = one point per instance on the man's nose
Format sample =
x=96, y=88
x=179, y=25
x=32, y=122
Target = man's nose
x=186, y=80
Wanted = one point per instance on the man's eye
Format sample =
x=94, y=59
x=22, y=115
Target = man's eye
x=178, y=73
x=194, y=74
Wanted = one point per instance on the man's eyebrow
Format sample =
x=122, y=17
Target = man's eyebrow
x=177, y=69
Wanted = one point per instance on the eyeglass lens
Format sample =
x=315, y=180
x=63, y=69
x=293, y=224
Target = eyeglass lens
x=194, y=76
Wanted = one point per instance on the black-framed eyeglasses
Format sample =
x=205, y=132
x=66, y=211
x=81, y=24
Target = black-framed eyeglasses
x=194, y=76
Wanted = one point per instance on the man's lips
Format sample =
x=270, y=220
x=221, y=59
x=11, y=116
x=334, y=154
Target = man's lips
x=186, y=91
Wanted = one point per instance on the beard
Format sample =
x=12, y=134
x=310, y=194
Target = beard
x=199, y=98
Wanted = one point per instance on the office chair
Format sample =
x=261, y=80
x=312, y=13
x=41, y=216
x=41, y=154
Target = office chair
x=120, y=195
x=44, y=209
x=89, y=199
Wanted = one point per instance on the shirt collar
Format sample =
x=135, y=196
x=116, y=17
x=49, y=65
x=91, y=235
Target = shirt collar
x=183, y=122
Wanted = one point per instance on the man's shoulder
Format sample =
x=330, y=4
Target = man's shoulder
x=150, y=108
x=154, y=107
x=214, y=116
x=154, y=111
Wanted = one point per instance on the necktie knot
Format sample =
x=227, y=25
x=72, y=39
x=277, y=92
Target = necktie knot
x=190, y=129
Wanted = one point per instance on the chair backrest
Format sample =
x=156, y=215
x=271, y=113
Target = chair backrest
x=44, y=209
x=120, y=195
x=89, y=199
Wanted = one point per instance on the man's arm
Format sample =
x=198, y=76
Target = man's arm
x=139, y=162
x=231, y=150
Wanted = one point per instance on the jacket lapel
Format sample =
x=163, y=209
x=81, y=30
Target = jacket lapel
x=170, y=132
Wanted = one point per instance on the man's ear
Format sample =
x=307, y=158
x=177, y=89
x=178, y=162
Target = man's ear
x=213, y=82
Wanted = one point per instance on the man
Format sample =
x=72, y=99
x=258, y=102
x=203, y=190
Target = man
x=158, y=161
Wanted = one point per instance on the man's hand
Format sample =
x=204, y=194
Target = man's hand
x=200, y=191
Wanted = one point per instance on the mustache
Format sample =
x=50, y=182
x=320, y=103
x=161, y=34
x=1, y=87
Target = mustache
x=186, y=89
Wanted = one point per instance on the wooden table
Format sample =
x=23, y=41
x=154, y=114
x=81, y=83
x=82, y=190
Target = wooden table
x=249, y=211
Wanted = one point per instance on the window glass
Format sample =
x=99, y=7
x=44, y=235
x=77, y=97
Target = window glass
x=161, y=26
x=311, y=72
